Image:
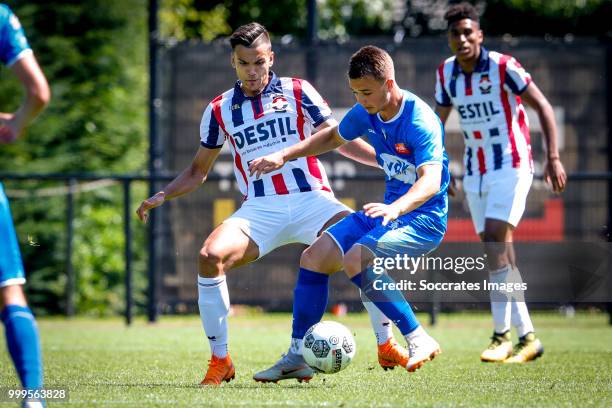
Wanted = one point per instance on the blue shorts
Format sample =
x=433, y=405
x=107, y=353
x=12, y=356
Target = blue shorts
x=413, y=234
x=11, y=266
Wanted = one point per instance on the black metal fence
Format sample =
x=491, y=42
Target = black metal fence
x=250, y=288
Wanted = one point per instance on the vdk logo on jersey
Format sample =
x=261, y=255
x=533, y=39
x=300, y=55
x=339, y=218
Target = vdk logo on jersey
x=279, y=103
x=485, y=84
x=399, y=169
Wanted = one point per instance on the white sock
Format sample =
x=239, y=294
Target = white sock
x=296, y=346
x=413, y=335
x=500, y=302
x=520, y=314
x=213, y=301
x=383, y=329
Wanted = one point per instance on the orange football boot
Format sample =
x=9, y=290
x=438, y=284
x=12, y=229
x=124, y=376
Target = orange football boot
x=392, y=354
x=219, y=370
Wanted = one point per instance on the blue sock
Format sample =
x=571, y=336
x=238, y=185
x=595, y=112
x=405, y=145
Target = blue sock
x=391, y=302
x=309, y=301
x=23, y=344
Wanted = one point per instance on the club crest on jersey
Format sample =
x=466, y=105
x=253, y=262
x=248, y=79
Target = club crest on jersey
x=401, y=148
x=485, y=84
x=279, y=103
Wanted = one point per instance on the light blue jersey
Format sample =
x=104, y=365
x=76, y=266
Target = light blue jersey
x=414, y=137
x=13, y=42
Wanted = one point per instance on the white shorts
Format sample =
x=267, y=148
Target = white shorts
x=273, y=221
x=501, y=198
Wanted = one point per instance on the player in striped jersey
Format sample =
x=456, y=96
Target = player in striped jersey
x=487, y=89
x=263, y=114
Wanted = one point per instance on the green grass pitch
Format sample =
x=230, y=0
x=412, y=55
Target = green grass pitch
x=101, y=362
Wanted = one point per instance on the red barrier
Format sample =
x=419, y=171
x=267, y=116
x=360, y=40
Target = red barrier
x=547, y=228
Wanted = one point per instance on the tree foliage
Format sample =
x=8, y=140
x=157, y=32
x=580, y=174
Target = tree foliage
x=341, y=19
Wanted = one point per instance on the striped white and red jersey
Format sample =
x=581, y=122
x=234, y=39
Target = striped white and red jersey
x=492, y=117
x=284, y=113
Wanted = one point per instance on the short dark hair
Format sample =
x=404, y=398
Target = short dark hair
x=249, y=35
x=459, y=12
x=371, y=61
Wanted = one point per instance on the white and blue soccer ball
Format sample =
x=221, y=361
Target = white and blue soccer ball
x=328, y=347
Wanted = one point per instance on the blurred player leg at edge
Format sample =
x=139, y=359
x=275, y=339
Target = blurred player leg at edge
x=20, y=327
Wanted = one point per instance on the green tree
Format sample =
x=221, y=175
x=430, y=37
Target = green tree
x=210, y=19
x=94, y=54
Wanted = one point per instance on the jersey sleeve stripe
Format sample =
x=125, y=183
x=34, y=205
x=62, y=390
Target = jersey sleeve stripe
x=517, y=75
x=213, y=133
x=237, y=160
x=511, y=83
x=210, y=146
x=442, y=97
x=313, y=110
x=527, y=82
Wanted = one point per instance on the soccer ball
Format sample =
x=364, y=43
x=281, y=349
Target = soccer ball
x=328, y=347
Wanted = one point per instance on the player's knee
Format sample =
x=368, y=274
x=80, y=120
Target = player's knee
x=497, y=254
x=12, y=295
x=210, y=261
x=317, y=258
x=352, y=263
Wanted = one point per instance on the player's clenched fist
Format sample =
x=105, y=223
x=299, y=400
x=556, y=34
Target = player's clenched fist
x=266, y=164
x=151, y=202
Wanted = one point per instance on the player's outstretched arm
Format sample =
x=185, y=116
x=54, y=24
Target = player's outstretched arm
x=189, y=179
x=38, y=94
x=427, y=185
x=323, y=141
x=554, y=173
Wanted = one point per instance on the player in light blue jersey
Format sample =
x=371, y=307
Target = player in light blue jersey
x=19, y=324
x=409, y=142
